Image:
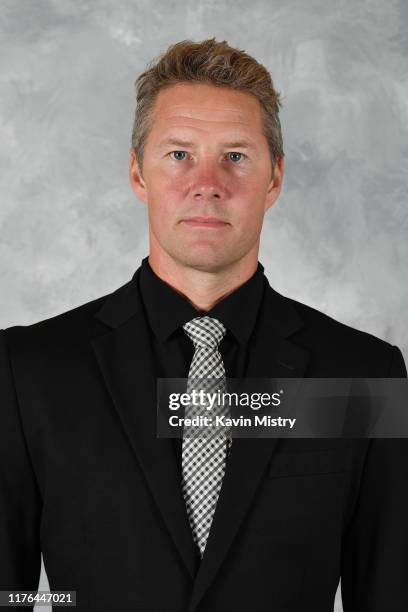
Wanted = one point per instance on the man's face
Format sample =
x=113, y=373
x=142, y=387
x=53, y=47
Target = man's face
x=207, y=176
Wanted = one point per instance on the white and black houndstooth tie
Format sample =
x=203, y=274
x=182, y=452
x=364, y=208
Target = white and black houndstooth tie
x=203, y=459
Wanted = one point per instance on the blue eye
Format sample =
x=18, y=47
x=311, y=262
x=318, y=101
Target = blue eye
x=233, y=156
x=177, y=154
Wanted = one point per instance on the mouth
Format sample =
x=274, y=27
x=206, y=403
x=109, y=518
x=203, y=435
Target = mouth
x=205, y=222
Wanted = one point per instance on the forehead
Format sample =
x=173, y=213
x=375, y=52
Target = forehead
x=204, y=105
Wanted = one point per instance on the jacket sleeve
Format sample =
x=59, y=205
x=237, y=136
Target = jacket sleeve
x=374, y=563
x=20, y=500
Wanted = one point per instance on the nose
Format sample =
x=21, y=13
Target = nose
x=208, y=183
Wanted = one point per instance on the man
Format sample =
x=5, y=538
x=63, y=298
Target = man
x=84, y=477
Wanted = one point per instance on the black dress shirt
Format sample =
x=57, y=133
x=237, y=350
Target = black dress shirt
x=167, y=310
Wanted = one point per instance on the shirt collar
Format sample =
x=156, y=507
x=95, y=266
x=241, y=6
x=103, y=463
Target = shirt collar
x=168, y=310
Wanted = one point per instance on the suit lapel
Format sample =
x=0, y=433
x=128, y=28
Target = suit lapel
x=272, y=355
x=126, y=362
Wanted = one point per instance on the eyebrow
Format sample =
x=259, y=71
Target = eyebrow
x=178, y=142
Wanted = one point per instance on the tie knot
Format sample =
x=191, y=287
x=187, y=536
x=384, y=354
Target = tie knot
x=205, y=332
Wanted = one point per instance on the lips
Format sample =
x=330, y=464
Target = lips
x=205, y=222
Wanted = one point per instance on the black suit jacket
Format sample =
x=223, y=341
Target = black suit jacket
x=85, y=480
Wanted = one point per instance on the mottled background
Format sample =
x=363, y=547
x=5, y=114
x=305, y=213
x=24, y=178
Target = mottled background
x=72, y=230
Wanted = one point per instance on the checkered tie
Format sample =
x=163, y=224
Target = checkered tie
x=204, y=458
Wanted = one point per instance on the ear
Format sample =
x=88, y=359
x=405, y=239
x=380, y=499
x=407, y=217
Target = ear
x=135, y=176
x=275, y=186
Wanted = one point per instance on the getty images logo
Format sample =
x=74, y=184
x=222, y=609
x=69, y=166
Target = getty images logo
x=207, y=400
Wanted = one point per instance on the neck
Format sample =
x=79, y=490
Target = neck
x=203, y=288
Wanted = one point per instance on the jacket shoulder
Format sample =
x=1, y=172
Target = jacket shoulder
x=336, y=344
x=73, y=324
x=323, y=323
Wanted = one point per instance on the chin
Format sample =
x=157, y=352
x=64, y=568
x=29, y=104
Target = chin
x=204, y=259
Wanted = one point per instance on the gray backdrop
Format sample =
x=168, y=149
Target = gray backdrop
x=72, y=230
